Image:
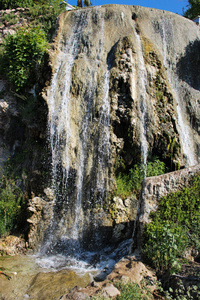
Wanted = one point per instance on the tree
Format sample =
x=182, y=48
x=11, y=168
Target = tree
x=87, y=3
x=81, y=3
x=193, y=9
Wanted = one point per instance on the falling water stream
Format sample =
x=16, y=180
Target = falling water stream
x=142, y=84
x=63, y=243
x=183, y=126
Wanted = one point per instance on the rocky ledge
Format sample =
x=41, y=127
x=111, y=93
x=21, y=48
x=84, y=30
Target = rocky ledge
x=127, y=270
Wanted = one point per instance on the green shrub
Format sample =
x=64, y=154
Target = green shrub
x=155, y=168
x=11, y=18
x=11, y=203
x=164, y=245
x=130, y=183
x=22, y=54
x=45, y=15
x=131, y=291
x=9, y=4
x=174, y=227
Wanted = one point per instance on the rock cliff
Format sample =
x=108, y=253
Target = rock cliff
x=119, y=95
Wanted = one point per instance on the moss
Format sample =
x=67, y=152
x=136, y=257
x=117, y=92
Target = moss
x=159, y=96
x=113, y=211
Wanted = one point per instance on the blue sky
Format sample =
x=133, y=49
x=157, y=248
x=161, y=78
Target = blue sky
x=175, y=6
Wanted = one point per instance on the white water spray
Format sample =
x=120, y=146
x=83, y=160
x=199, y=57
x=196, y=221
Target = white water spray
x=69, y=218
x=142, y=84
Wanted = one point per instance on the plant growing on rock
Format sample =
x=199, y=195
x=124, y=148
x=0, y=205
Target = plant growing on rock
x=174, y=227
x=130, y=183
x=11, y=203
x=9, y=4
x=23, y=53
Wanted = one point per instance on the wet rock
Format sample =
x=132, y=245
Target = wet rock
x=75, y=294
x=127, y=270
x=12, y=245
x=110, y=291
x=41, y=210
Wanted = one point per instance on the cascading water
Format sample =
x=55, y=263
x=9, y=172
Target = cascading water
x=142, y=84
x=183, y=126
x=60, y=127
x=65, y=237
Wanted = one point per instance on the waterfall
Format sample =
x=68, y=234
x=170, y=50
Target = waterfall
x=142, y=84
x=74, y=201
x=183, y=126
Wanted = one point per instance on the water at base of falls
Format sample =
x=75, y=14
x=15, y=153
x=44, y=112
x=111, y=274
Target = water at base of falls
x=101, y=261
x=29, y=280
x=50, y=277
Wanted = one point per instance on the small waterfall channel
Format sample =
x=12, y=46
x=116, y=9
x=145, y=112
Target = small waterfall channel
x=183, y=126
x=142, y=97
x=60, y=135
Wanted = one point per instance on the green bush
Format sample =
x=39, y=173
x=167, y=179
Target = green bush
x=130, y=183
x=132, y=291
x=174, y=227
x=9, y=4
x=11, y=203
x=155, y=168
x=11, y=18
x=45, y=15
x=22, y=54
x=164, y=245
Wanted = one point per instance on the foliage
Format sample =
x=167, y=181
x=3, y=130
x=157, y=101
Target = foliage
x=44, y=15
x=183, y=293
x=130, y=183
x=174, y=227
x=87, y=3
x=164, y=244
x=11, y=18
x=9, y=4
x=193, y=9
x=155, y=168
x=11, y=205
x=131, y=291
x=22, y=54
x=81, y=3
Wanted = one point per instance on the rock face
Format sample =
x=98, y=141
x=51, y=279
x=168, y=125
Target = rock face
x=122, y=91
x=12, y=245
x=126, y=271
x=153, y=189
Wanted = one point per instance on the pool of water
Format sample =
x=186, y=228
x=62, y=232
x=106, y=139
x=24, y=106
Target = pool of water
x=51, y=276
x=30, y=280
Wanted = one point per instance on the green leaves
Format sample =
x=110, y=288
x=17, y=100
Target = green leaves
x=174, y=227
x=193, y=9
x=11, y=199
x=164, y=244
x=23, y=52
x=130, y=183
